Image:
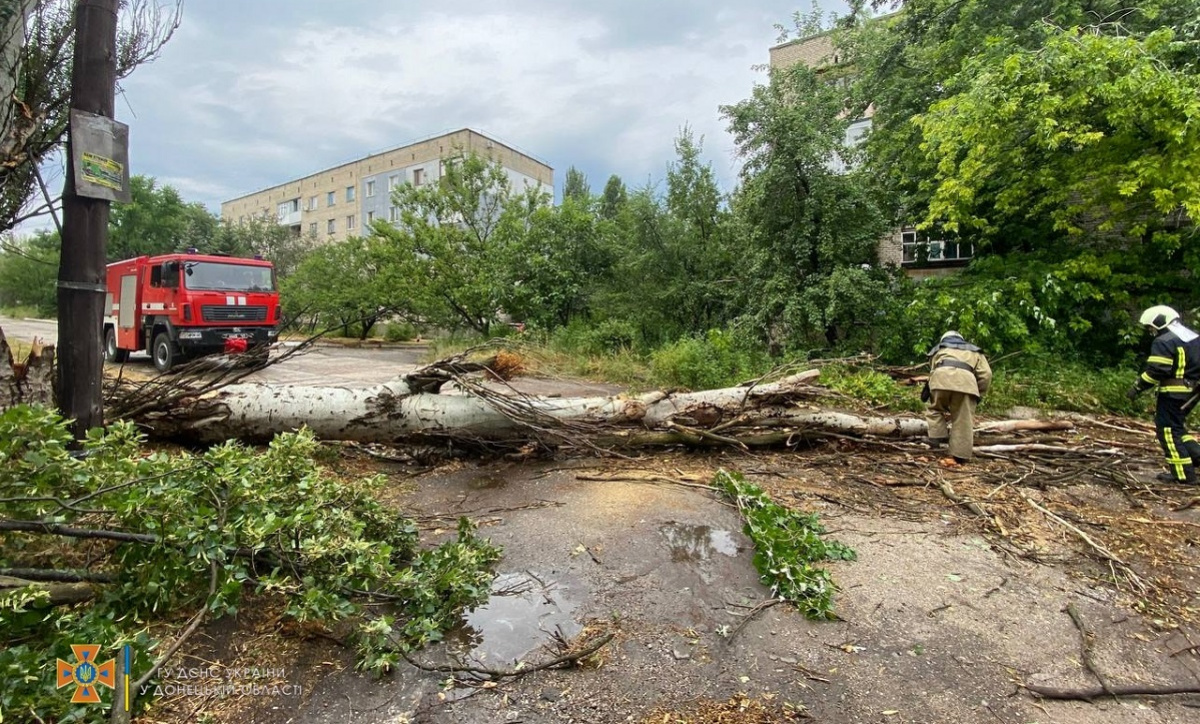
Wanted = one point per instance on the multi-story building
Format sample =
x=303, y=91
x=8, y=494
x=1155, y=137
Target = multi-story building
x=339, y=202
x=919, y=255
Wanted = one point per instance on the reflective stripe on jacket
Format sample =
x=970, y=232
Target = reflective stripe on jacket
x=974, y=381
x=1173, y=365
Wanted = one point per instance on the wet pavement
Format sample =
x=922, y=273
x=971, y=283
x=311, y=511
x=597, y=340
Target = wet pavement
x=935, y=625
x=330, y=364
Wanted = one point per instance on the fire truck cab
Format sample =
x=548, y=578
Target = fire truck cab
x=180, y=306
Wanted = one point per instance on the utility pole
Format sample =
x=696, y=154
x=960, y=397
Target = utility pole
x=81, y=272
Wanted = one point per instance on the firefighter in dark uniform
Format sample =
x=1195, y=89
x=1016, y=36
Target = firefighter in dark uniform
x=1174, y=367
x=959, y=375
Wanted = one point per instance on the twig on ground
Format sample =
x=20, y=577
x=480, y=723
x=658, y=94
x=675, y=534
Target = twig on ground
x=1103, y=552
x=571, y=657
x=1086, y=638
x=749, y=615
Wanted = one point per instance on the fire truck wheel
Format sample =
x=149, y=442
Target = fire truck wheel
x=111, y=352
x=164, y=352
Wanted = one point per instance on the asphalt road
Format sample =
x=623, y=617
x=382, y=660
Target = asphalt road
x=320, y=365
x=328, y=364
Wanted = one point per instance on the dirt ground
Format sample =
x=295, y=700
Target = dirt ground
x=950, y=611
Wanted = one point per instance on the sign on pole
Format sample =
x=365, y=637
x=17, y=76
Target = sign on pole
x=100, y=155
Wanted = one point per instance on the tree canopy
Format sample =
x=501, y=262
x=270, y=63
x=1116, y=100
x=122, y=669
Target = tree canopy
x=36, y=52
x=1092, y=131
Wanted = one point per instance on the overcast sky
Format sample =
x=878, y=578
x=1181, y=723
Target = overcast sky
x=251, y=94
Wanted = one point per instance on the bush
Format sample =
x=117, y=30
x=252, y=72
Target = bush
x=1048, y=384
x=718, y=359
x=606, y=337
x=873, y=387
x=399, y=332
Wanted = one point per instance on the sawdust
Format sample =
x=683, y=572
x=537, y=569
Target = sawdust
x=740, y=709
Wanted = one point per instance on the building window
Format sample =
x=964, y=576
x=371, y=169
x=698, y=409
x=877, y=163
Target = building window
x=330, y=199
x=349, y=222
x=918, y=252
x=418, y=176
x=370, y=188
x=312, y=227
x=349, y=194
x=370, y=217
x=392, y=182
x=331, y=226
x=394, y=214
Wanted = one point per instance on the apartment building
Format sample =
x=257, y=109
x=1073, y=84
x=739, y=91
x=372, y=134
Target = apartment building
x=919, y=255
x=341, y=201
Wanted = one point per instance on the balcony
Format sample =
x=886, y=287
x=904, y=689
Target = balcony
x=289, y=213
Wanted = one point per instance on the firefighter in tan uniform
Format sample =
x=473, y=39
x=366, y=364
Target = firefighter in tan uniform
x=959, y=375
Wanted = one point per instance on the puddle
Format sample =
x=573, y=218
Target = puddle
x=700, y=546
x=487, y=482
x=522, y=614
x=697, y=543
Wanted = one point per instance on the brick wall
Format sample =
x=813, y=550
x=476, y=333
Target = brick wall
x=815, y=52
x=891, y=249
x=337, y=179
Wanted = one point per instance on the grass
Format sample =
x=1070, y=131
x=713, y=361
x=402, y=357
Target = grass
x=1038, y=383
x=23, y=312
x=19, y=349
x=622, y=367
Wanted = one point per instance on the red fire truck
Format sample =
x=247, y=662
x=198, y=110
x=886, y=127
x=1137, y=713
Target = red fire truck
x=186, y=305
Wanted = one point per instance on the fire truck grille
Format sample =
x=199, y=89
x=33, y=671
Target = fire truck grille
x=226, y=313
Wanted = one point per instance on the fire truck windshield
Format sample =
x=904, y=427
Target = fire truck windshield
x=215, y=276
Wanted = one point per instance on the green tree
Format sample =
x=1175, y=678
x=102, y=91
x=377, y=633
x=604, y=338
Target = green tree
x=156, y=221
x=813, y=231
x=447, y=252
x=29, y=273
x=576, y=186
x=36, y=51
x=686, y=266
x=340, y=282
x=556, y=266
x=1088, y=131
x=614, y=198
x=908, y=62
x=262, y=236
x=674, y=272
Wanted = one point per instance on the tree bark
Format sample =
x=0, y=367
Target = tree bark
x=13, y=15
x=411, y=410
x=59, y=593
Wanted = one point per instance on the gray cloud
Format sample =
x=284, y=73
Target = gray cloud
x=252, y=94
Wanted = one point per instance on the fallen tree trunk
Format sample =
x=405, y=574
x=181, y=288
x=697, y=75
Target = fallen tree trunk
x=395, y=412
x=414, y=409
x=57, y=594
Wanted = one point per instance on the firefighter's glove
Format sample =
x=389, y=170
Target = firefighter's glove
x=1133, y=392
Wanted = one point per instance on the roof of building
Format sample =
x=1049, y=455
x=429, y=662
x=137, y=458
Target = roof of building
x=806, y=38
x=372, y=154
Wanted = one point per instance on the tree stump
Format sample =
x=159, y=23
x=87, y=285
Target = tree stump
x=30, y=381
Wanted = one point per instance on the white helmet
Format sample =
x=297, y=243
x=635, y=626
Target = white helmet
x=1158, y=317
x=950, y=334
